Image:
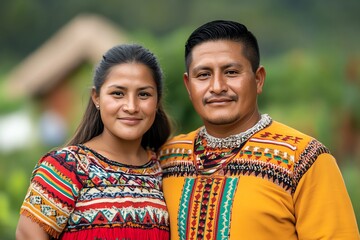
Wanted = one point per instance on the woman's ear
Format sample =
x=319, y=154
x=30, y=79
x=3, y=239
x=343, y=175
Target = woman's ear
x=95, y=98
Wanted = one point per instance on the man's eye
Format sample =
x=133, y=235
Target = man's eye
x=203, y=75
x=231, y=72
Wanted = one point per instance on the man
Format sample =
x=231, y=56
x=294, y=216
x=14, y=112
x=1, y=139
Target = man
x=243, y=175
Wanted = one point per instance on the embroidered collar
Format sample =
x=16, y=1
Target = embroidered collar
x=236, y=140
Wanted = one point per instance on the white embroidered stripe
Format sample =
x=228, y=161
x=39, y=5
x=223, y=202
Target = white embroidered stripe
x=120, y=200
x=273, y=142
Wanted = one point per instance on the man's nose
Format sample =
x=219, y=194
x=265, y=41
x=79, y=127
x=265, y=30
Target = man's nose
x=218, y=84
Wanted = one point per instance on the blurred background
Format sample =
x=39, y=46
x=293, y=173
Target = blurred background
x=48, y=50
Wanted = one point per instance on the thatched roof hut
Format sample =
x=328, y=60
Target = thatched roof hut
x=85, y=38
x=48, y=76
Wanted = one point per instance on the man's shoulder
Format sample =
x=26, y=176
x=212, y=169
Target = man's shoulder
x=179, y=146
x=280, y=132
x=284, y=129
x=289, y=139
x=181, y=139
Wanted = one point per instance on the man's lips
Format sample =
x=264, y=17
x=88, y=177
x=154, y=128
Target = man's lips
x=219, y=99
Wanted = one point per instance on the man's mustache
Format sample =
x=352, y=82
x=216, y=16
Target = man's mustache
x=221, y=96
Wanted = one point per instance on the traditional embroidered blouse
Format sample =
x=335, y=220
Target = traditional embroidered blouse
x=279, y=184
x=76, y=193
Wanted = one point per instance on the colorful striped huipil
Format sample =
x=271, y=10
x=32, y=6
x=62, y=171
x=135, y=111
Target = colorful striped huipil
x=76, y=193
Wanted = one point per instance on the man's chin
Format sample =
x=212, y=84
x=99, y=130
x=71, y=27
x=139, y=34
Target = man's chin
x=223, y=120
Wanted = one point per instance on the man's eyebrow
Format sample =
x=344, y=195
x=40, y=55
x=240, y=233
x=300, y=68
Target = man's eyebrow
x=203, y=67
x=200, y=67
x=237, y=65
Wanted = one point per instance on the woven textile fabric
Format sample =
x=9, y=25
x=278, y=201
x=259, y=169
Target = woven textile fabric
x=280, y=184
x=76, y=193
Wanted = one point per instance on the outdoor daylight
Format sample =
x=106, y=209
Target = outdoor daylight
x=50, y=52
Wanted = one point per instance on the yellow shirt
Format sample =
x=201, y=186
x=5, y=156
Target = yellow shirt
x=281, y=184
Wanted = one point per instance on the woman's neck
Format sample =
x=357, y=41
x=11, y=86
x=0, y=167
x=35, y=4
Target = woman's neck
x=122, y=151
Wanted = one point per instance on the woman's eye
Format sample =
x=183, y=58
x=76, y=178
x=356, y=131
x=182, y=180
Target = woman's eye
x=144, y=94
x=117, y=93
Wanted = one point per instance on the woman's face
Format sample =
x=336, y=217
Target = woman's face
x=127, y=101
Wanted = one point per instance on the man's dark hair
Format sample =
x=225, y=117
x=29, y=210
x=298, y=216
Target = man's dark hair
x=224, y=30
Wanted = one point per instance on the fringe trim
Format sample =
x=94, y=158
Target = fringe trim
x=114, y=233
x=49, y=230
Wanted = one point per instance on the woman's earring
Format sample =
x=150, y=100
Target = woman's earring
x=98, y=107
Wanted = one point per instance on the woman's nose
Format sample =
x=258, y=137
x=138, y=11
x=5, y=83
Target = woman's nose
x=131, y=106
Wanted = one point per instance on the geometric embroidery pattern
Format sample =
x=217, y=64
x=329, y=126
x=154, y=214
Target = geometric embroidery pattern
x=206, y=200
x=75, y=188
x=306, y=159
x=205, y=207
x=275, y=165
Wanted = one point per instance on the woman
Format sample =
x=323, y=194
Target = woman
x=106, y=183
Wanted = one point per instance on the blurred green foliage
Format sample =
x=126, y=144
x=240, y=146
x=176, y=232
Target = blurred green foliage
x=306, y=49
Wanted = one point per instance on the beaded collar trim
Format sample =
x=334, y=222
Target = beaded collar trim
x=236, y=140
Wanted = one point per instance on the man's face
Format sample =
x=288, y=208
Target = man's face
x=222, y=87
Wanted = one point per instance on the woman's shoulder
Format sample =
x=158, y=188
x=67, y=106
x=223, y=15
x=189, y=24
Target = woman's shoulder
x=66, y=153
x=67, y=157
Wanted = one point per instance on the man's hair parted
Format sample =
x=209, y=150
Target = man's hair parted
x=224, y=30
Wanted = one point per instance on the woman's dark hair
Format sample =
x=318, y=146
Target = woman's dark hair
x=224, y=30
x=92, y=125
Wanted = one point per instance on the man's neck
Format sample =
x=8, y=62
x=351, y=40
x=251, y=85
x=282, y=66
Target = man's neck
x=225, y=130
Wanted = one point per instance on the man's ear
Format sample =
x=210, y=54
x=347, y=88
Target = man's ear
x=186, y=83
x=260, y=76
